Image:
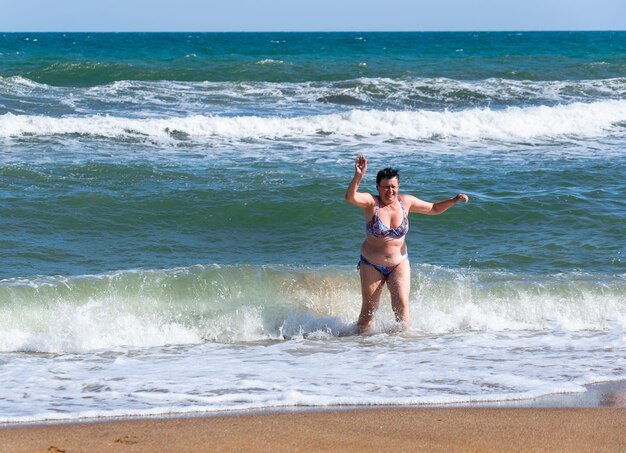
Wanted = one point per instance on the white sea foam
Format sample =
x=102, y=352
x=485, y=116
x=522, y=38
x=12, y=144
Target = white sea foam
x=513, y=124
x=269, y=61
x=376, y=370
x=162, y=98
x=248, y=304
x=224, y=338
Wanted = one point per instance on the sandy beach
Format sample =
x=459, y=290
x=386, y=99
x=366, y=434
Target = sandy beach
x=591, y=421
x=428, y=429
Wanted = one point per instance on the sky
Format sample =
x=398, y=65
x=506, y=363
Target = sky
x=310, y=15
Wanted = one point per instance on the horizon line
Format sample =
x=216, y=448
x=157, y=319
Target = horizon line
x=556, y=30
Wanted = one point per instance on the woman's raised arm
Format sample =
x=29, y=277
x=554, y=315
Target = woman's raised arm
x=353, y=196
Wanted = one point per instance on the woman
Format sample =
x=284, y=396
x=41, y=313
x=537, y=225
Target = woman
x=384, y=257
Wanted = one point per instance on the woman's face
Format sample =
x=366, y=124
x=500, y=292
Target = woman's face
x=388, y=190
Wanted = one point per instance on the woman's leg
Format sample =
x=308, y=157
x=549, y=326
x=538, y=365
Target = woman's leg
x=399, y=284
x=372, y=282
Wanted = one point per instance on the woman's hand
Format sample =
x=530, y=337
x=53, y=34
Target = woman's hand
x=360, y=166
x=461, y=197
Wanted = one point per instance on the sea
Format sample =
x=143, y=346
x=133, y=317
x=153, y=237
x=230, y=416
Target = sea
x=174, y=237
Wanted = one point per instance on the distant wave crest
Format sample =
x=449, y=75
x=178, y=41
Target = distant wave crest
x=576, y=120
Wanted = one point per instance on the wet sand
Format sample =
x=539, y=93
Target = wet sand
x=596, y=423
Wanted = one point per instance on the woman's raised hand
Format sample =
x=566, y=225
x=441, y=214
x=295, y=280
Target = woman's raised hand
x=360, y=166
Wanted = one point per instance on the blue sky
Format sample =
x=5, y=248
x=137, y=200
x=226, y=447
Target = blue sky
x=310, y=15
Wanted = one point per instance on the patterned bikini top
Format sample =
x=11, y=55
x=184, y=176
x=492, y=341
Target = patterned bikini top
x=377, y=228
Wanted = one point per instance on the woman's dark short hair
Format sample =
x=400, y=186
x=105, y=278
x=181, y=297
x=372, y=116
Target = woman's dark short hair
x=387, y=173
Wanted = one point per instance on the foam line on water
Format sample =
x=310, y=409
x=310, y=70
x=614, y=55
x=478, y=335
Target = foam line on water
x=577, y=120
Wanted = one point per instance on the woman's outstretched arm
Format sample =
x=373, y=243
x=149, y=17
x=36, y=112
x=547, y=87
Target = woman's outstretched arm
x=426, y=207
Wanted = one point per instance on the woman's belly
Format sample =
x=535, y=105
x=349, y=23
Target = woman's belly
x=385, y=252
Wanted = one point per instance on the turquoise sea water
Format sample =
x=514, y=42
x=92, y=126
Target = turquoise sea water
x=179, y=197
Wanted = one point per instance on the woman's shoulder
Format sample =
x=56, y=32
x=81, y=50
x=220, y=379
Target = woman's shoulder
x=406, y=199
x=366, y=201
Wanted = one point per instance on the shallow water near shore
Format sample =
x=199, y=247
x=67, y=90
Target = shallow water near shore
x=175, y=238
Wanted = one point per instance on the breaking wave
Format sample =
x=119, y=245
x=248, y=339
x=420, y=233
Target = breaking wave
x=578, y=120
x=232, y=304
